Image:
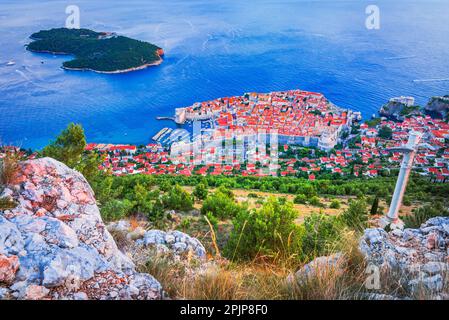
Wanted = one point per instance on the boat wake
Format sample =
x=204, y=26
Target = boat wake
x=431, y=80
x=400, y=58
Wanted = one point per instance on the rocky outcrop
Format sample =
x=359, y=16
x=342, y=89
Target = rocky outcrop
x=54, y=244
x=174, y=242
x=438, y=106
x=397, y=111
x=418, y=256
x=8, y=268
x=320, y=267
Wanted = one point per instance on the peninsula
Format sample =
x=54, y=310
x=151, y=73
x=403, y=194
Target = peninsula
x=100, y=52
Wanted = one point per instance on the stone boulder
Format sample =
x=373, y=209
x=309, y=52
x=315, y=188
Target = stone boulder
x=174, y=241
x=8, y=268
x=418, y=256
x=319, y=268
x=54, y=244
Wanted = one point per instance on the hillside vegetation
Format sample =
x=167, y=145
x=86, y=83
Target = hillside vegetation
x=256, y=231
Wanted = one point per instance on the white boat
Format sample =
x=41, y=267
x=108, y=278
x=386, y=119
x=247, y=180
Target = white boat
x=10, y=63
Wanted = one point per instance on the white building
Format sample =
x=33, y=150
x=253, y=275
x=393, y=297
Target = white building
x=328, y=140
x=408, y=101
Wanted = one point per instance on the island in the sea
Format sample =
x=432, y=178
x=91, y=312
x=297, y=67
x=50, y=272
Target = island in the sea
x=101, y=52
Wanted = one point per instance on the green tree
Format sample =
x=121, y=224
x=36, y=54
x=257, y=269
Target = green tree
x=375, y=206
x=88, y=166
x=143, y=199
x=385, y=133
x=68, y=146
x=165, y=185
x=373, y=122
x=157, y=211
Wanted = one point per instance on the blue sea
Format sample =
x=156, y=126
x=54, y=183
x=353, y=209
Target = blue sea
x=216, y=49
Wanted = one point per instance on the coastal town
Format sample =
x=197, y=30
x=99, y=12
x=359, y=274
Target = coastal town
x=315, y=138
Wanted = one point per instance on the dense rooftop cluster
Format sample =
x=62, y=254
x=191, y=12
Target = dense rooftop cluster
x=353, y=149
x=295, y=112
x=367, y=155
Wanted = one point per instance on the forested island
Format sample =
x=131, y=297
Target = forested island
x=101, y=52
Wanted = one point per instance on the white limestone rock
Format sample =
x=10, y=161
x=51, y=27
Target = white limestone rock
x=62, y=244
x=173, y=241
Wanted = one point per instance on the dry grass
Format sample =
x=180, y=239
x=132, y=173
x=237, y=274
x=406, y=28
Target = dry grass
x=219, y=279
x=334, y=283
x=169, y=272
x=123, y=243
x=7, y=204
x=212, y=284
x=9, y=167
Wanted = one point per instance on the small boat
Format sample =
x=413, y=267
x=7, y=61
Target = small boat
x=10, y=63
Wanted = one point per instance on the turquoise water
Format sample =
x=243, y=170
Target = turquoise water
x=215, y=49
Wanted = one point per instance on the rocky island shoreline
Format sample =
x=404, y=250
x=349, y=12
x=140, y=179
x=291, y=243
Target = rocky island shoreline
x=100, y=52
x=142, y=67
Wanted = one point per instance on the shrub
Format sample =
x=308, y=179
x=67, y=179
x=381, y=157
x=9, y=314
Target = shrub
x=9, y=167
x=157, y=211
x=406, y=201
x=213, y=220
x=178, y=199
x=165, y=185
x=315, y=201
x=200, y=191
x=227, y=192
x=116, y=209
x=300, y=199
x=424, y=213
x=269, y=231
x=282, y=200
x=221, y=205
x=142, y=199
x=319, y=234
x=335, y=204
x=253, y=195
x=185, y=224
x=356, y=216
x=6, y=204
x=307, y=189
